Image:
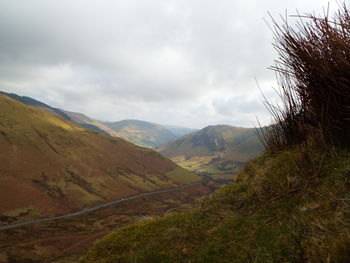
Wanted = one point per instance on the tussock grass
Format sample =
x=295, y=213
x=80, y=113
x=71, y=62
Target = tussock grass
x=314, y=82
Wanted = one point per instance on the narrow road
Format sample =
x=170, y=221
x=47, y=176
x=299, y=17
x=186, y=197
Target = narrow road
x=93, y=208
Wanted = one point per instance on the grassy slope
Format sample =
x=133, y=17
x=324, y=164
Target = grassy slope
x=141, y=132
x=275, y=212
x=78, y=118
x=49, y=165
x=220, y=149
x=85, y=120
x=32, y=102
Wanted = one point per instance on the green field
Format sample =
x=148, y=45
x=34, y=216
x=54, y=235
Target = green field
x=216, y=167
x=183, y=176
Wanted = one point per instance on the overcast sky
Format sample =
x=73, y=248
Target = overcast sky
x=182, y=62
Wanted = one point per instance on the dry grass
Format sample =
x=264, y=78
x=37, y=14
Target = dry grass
x=314, y=82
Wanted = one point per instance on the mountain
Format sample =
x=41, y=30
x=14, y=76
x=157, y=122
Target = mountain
x=142, y=133
x=49, y=165
x=92, y=124
x=179, y=131
x=219, y=149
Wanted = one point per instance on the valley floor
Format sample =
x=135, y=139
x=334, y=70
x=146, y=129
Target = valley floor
x=65, y=240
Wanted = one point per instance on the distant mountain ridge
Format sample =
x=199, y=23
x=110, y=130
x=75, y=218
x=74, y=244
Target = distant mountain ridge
x=179, y=131
x=147, y=134
x=140, y=132
x=216, y=149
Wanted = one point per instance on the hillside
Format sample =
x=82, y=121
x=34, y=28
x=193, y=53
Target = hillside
x=50, y=166
x=273, y=213
x=77, y=118
x=220, y=149
x=142, y=133
x=92, y=124
x=32, y=102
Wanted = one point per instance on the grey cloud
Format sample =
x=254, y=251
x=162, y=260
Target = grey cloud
x=237, y=105
x=179, y=60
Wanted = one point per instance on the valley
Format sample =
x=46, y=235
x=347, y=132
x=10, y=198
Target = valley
x=127, y=131
x=217, y=151
x=64, y=184
x=65, y=240
x=77, y=179
x=55, y=166
x=93, y=208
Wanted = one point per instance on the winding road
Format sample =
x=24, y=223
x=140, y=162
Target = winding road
x=93, y=208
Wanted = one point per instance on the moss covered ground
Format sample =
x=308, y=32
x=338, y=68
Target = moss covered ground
x=282, y=208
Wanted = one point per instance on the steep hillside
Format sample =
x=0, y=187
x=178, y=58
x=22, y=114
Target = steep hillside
x=77, y=118
x=220, y=149
x=141, y=132
x=32, y=102
x=87, y=122
x=49, y=165
x=274, y=212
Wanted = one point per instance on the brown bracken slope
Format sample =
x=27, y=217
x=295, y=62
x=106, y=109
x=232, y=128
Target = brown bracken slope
x=50, y=166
